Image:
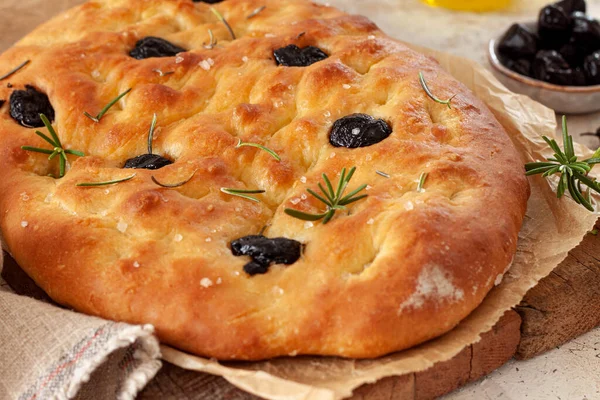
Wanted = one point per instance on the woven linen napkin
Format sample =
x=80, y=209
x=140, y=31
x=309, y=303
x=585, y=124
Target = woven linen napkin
x=47, y=352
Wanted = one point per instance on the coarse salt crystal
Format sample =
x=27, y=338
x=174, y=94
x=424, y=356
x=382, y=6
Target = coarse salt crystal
x=178, y=60
x=206, y=282
x=327, y=114
x=308, y=225
x=106, y=191
x=136, y=264
x=346, y=86
x=303, y=196
x=355, y=131
x=238, y=209
x=332, y=155
x=371, y=37
x=96, y=73
x=269, y=35
x=24, y=224
x=245, y=59
x=122, y=226
x=369, y=187
x=408, y=206
x=204, y=65
x=369, y=157
x=303, y=179
x=207, y=240
x=210, y=61
x=237, y=273
x=24, y=196
x=178, y=237
x=295, y=200
x=371, y=221
x=219, y=280
x=498, y=279
x=48, y=198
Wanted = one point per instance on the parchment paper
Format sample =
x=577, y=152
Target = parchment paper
x=552, y=227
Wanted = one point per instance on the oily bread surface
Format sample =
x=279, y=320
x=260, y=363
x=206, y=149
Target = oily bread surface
x=399, y=268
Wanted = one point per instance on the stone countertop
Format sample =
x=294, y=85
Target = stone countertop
x=570, y=372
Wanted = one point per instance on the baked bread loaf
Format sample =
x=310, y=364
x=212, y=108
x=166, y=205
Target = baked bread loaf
x=236, y=274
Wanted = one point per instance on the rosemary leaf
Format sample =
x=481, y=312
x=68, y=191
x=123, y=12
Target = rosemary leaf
x=224, y=21
x=385, y=175
x=173, y=185
x=107, y=107
x=95, y=184
x=213, y=41
x=422, y=179
x=151, y=133
x=243, y=193
x=259, y=146
x=431, y=95
x=14, y=70
x=256, y=12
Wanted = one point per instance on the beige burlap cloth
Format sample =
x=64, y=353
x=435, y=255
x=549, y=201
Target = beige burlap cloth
x=47, y=352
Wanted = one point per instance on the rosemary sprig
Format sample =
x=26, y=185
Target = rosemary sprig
x=334, y=200
x=572, y=173
x=426, y=89
x=213, y=41
x=161, y=73
x=57, y=150
x=421, y=183
x=224, y=21
x=243, y=193
x=106, y=183
x=172, y=185
x=259, y=146
x=385, y=175
x=14, y=70
x=98, y=117
x=256, y=12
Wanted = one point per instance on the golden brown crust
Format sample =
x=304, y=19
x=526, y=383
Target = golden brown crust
x=403, y=268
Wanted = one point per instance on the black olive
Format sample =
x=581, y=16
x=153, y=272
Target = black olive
x=550, y=66
x=570, y=6
x=586, y=32
x=265, y=251
x=518, y=42
x=207, y=1
x=294, y=56
x=358, y=130
x=27, y=105
x=255, y=268
x=2, y=103
x=554, y=26
x=521, y=66
x=151, y=46
x=573, y=52
x=591, y=68
x=147, y=161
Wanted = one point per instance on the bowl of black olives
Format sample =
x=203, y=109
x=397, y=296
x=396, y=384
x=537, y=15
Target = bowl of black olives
x=554, y=60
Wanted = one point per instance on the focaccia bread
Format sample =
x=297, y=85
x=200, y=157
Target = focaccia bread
x=239, y=275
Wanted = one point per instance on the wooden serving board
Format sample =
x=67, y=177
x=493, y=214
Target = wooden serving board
x=561, y=307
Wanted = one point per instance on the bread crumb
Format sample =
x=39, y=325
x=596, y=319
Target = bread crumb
x=24, y=224
x=204, y=65
x=206, y=282
x=122, y=226
x=178, y=238
x=371, y=221
x=136, y=264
